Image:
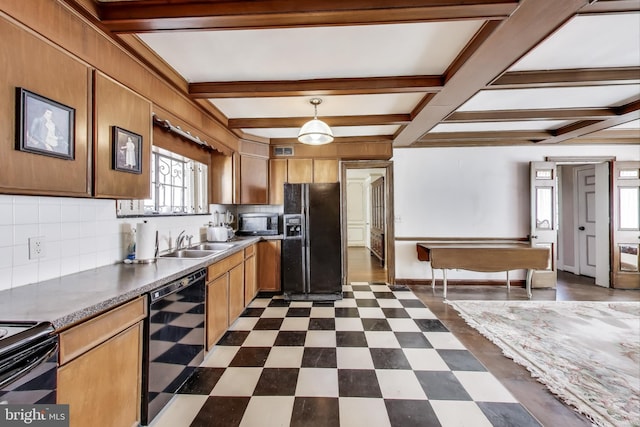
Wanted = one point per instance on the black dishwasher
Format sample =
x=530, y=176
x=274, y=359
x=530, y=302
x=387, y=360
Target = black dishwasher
x=174, y=340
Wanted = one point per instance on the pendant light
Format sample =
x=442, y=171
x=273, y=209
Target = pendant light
x=315, y=132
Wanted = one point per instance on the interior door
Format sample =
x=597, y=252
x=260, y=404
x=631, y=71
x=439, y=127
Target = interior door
x=356, y=212
x=586, y=179
x=626, y=224
x=544, y=218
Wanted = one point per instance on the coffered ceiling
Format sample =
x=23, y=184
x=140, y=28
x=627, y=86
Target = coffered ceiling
x=415, y=72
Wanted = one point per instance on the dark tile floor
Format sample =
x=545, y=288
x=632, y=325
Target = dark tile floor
x=378, y=357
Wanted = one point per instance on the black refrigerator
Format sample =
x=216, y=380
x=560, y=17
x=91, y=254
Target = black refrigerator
x=312, y=245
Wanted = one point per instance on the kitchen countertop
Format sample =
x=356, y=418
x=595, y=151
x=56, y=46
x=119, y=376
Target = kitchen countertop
x=73, y=298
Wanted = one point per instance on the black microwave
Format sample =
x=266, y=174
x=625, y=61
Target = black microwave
x=257, y=224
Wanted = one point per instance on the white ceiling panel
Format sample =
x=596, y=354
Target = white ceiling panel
x=565, y=97
x=634, y=124
x=499, y=126
x=343, y=105
x=588, y=41
x=313, y=52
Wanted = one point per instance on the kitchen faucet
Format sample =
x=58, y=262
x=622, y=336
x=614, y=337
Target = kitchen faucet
x=180, y=240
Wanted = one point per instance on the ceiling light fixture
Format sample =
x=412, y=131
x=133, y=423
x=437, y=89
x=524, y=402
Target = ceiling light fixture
x=315, y=132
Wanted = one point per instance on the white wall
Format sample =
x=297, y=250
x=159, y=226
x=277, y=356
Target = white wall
x=469, y=192
x=79, y=234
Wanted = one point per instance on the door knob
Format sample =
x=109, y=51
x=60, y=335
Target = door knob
x=581, y=228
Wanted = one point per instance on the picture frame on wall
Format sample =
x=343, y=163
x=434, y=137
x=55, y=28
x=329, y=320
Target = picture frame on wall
x=44, y=126
x=126, y=150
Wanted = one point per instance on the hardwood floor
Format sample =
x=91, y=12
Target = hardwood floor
x=364, y=267
x=548, y=409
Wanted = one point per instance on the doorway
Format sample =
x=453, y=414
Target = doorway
x=583, y=235
x=361, y=260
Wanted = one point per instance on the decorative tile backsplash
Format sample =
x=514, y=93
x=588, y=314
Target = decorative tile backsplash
x=76, y=235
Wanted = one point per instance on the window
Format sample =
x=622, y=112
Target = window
x=178, y=187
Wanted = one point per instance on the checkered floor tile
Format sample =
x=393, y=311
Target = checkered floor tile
x=378, y=357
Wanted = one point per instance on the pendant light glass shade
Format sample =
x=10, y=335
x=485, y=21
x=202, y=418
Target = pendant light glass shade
x=315, y=132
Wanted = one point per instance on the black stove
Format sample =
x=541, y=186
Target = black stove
x=28, y=359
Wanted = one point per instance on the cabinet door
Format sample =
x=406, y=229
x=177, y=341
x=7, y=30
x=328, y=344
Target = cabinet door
x=217, y=309
x=104, y=383
x=253, y=180
x=299, y=171
x=236, y=292
x=277, y=178
x=325, y=170
x=269, y=265
x=116, y=105
x=221, y=179
x=250, y=285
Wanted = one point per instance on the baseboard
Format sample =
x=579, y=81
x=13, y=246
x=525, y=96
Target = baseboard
x=454, y=282
x=569, y=269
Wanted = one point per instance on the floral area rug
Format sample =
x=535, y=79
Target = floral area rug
x=587, y=353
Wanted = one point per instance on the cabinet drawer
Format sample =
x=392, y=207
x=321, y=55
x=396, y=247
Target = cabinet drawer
x=251, y=250
x=83, y=337
x=221, y=267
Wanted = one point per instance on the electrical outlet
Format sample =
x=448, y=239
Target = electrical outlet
x=36, y=247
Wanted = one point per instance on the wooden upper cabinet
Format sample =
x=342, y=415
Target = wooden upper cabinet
x=116, y=105
x=221, y=179
x=325, y=170
x=277, y=178
x=299, y=171
x=61, y=78
x=253, y=180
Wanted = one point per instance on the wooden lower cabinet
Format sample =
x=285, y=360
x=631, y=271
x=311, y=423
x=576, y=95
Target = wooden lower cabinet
x=225, y=295
x=236, y=292
x=101, y=367
x=250, y=270
x=217, y=309
x=269, y=265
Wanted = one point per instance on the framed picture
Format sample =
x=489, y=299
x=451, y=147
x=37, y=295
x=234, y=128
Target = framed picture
x=127, y=150
x=44, y=126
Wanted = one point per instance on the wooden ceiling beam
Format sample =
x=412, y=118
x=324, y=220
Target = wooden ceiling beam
x=558, y=78
x=485, y=136
x=296, y=122
x=339, y=139
x=528, y=25
x=471, y=143
x=136, y=17
x=625, y=113
x=516, y=115
x=316, y=87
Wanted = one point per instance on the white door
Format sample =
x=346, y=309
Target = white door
x=544, y=218
x=586, y=179
x=626, y=225
x=356, y=212
x=367, y=212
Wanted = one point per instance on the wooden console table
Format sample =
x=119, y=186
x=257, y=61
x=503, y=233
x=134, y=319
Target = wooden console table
x=483, y=257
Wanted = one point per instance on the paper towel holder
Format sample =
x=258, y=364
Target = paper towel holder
x=155, y=256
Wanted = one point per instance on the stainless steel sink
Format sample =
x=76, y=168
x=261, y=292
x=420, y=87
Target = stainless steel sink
x=213, y=246
x=190, y=253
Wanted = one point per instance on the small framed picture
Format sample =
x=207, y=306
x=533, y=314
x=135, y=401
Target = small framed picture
x=127, y=150
x=44, y=126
